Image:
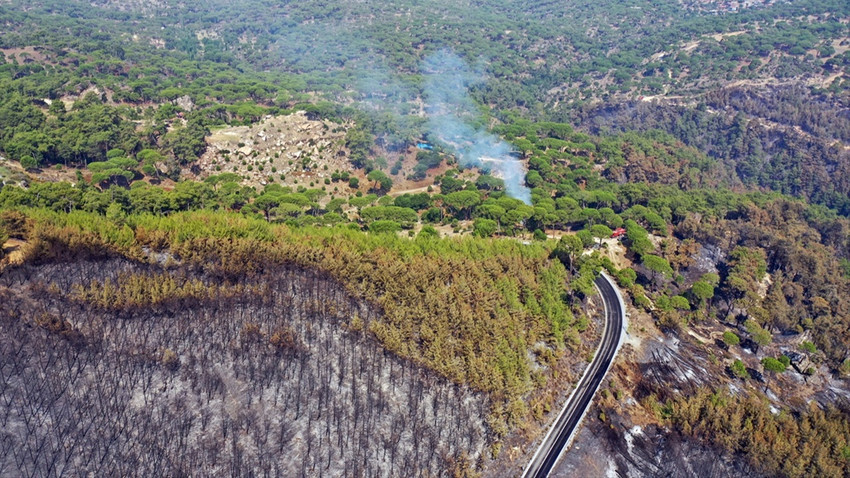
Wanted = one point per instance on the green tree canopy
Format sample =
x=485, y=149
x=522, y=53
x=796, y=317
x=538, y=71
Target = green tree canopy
x=383, y=183
x=462, y=202
x=600, y=232
x=484, y=227
x=658, y=266
x=401, y=215
x=384, y=227
x=773, y=365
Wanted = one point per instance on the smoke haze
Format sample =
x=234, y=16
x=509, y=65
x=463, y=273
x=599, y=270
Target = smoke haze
x=451, y=113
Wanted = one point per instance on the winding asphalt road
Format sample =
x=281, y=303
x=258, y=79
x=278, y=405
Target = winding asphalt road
x=565, y=426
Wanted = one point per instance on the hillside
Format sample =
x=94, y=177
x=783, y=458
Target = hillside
x=275, y=310
x=287, y=150
x=361, y=238
x=215, y=376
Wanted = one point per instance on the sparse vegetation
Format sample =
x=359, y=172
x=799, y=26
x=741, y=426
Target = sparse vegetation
x=780, y=445
x=739, y=369
x=716, y=141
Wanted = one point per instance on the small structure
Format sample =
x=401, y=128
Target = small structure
x=426, y=146
x=618, y=233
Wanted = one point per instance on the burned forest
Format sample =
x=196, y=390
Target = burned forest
x=112, y=368
x=337, y=238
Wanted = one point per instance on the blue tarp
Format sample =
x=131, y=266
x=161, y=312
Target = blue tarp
x=424, y=146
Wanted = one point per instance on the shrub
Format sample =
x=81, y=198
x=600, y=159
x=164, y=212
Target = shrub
x=739, y=369
x=484, y=227
x=28, y=162
x=731, y=338
x=773, y=365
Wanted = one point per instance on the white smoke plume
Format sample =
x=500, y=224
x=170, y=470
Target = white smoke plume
x=451, y=113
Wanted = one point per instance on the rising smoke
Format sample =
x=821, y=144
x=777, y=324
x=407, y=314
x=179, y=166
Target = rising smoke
x=451, y=113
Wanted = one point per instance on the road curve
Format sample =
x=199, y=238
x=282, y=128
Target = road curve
x=561, y=433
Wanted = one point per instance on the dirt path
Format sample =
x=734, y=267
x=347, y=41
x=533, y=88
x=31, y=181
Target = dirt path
x=831, y=78
x=422, y=189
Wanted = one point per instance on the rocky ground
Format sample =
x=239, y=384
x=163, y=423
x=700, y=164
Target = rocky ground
x=290, y=150
x=620, y=438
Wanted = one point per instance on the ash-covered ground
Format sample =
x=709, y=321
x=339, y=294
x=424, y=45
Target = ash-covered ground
x=620, y=449
x=270, y=381
x=626, y=445
x=621, y=438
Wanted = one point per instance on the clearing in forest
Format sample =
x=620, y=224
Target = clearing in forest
x=290, y=150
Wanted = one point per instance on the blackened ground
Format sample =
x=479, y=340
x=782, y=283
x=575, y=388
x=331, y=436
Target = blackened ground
x=616, y=448
x=278, y=382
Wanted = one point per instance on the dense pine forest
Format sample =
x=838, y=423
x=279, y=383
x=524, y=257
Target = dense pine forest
x=357, y=238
